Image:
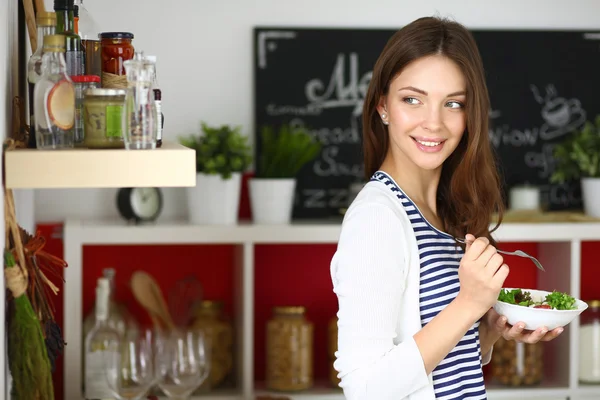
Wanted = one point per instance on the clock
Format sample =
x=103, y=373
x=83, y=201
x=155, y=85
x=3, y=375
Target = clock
x=140, y=204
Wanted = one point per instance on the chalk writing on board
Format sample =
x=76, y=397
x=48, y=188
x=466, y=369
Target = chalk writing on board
x=266, y=43
x=339, y=93
x=560, y=115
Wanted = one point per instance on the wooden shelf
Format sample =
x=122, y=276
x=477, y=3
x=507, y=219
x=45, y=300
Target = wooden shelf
x=172, y=165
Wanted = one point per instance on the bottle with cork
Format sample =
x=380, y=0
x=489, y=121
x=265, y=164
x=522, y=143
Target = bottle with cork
x=46, y=25
x=65, y=25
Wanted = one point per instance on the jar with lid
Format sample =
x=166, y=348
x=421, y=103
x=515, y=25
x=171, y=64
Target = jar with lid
x=102, y=117
x=589, y=344
x=289, y=362
x=518, y=364
x=82, y=83
x=332, y=345
x=116, y=48
x=209, y=317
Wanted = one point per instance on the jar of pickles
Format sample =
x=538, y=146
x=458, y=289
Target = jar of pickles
x=289, y=362
x=116, y=48
x=332, y=345
x=589, y=344
x=209, y=318
x=517, y=364
x=102, y=117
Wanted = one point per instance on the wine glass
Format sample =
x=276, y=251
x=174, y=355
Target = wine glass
x=130, y=368
x=183, y=362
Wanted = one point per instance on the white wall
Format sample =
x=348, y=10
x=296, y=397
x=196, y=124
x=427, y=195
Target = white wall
x=8, y=82
x=205, y=61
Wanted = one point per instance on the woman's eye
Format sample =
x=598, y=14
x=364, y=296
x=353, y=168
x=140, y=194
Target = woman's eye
x=455, y=104
x=411, y=100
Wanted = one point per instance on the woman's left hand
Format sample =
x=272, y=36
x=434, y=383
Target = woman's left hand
x=497, y=326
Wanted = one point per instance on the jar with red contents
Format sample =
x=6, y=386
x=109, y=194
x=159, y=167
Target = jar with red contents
x=116, y=49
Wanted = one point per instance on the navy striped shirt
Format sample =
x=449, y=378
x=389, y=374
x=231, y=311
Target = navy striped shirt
x=459, y=376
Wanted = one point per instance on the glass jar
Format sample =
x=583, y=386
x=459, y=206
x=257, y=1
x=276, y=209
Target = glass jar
x=589, y=344
x=116, y=49
x=332, y=348
x=102, y=116
x=517, y=364
x=82, y=83
x=289, y=363
x=209, y=318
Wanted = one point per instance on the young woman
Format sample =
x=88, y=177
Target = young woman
x=415, y=306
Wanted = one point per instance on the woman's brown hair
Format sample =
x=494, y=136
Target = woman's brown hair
x=469, y=191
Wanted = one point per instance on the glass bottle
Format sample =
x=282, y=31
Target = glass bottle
x=289, y=362
x=65, y=25
x=101, y=347
x=157, y=101
x=46, y=25
x=54, y=98
x=76, y=19
x=589, y=344
x=88, y=32
x=139, y=131
x=119, y=319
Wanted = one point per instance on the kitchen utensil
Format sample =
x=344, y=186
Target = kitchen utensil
x=148, y=294
x=519, y=253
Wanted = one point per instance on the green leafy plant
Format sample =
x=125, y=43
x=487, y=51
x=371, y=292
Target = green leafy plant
x=578, y=156
x=285, y=151
x=220, y=150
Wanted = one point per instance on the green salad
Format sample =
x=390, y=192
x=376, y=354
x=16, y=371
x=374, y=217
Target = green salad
x=553, y=301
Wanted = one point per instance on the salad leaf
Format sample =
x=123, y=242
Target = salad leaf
x=555, y=300
x=515, y=296
x=560, y=301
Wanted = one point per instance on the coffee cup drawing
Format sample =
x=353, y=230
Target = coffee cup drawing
x=561, y=117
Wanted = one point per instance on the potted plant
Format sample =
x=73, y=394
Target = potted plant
x=578, y=157
x=283, y=153
x=222, y=154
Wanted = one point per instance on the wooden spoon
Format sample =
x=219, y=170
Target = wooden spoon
x=148, y=294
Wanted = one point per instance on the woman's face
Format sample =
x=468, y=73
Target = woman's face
x=425, y=112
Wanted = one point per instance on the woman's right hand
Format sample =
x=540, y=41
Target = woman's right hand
x=481, y=273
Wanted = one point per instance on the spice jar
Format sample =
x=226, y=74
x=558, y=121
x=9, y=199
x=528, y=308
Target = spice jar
x=517, y=364
x=116, y=48
x=289, y=362
x=209, y=318
x=82, y=83
x=332, y=345
x=589, y=344
x=102, y=116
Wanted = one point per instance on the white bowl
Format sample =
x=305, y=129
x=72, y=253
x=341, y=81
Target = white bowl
x=538, y=317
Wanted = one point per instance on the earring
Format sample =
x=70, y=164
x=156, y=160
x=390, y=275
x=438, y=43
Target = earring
x=383, y=117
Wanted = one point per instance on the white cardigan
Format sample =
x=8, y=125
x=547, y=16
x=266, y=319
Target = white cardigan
x=375, y=275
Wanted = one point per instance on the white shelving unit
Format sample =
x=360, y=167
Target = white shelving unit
x=559, y=246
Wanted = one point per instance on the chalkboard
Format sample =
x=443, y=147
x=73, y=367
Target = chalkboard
x=543, y=84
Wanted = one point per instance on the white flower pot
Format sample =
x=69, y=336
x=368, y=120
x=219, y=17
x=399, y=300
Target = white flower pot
x=590, y=192
x=271, y=200
x=214, y=201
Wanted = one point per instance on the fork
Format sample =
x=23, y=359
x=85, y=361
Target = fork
x=519, y=253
